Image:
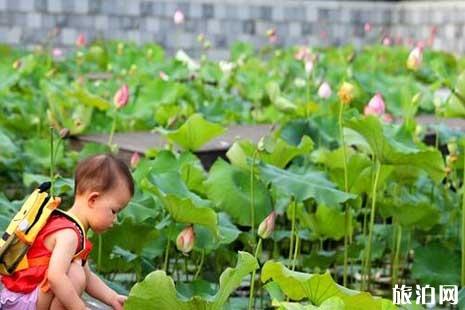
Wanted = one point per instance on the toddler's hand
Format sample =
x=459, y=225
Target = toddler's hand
x=118, y=302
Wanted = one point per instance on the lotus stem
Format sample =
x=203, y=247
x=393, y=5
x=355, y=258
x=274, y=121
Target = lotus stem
x=346, y=189
x=462, y=278
x=199, y=269
x=395, y=265
x=167, y=252
x=291, y=245
x=99, y=254
x=252, y=279
x=367, y=271
x=112, y=132
x=252, y=194
x=296, y=251
x=52, y=163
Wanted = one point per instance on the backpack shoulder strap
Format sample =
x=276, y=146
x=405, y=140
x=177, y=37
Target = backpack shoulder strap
x=79, y=225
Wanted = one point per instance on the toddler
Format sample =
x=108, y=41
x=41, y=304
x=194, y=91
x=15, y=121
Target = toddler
x=58, y=273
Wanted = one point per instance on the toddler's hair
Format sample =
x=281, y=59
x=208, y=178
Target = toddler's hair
x=100, y=173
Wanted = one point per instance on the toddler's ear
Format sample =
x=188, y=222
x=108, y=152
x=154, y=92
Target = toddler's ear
x=91, y=198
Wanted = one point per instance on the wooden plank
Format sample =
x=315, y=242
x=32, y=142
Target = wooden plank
x=143, y=141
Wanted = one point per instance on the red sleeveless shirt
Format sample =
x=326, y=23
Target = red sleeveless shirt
x=26, y=280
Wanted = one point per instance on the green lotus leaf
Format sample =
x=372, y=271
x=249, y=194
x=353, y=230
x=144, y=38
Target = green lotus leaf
x=194, y=133
x=229, y=188
x=392, y=148
x=303, y=186
x=159, y=289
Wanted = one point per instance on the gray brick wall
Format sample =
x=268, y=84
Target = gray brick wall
x=27, y=22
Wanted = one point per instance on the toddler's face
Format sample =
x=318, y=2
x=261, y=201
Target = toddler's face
x=107, y=206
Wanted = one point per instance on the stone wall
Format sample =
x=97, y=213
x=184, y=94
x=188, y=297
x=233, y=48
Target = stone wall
x=26, y=23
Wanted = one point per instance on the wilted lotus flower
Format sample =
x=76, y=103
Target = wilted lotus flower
x=57, y=53
x=367, y=27
x=81, y=40
x=375, y=106
x=324, y=91
x=346, y=93
x=135, y=158
x=178, y=17
x=415, y=58
x=266, y=227
x=121, y=97
x=272, y=35
x=186, y=239
x=308, y=67
x=164, y=76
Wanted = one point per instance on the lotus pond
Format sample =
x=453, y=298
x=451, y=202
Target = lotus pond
x=339, y=203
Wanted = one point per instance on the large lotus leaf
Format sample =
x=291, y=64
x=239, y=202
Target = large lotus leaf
x=390, y=149
x=304, y=186
x=157, y=92
x=435, y=264
x=194, y=133
x=8, y=149
x=326, y=222
x=360, y=169
x=189, y=166
x=158, y=289
x=282, y=153
x=122, y=235
x=455, y=107
x=410, y=209
x=316, y=288
x=183, y=205
x=229, y=188
x=83, y=96
x=204, y=239
x=66, y=111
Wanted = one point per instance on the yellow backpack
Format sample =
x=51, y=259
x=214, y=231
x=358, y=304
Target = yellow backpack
x=24, y=228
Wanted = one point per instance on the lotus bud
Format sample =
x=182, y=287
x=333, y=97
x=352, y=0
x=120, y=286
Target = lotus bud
x=387, y=41
x=81, y=40
x=346, y=93
x=324, y=91
x=308, y=67
x=164, y=76
x=17, y=64
x=272, y=36
x=121, y=97
x=367, y=27
x=266, y=227
x=415, y=58
x=376, y=106
x=149, y=53
x=186, y=239
x=178, y=17
x=135, y=158
x=57, y=53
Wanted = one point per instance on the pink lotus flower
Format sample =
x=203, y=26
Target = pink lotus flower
x=186, y=240
x=415, y=58
x=57, y=53
x=324, y=91
x=266, y=227
x=135, y=158
x=367, y=27
x=178, y=17
x=272, y=36
x=81, y=40
x=376, y=106
x=121, y=97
